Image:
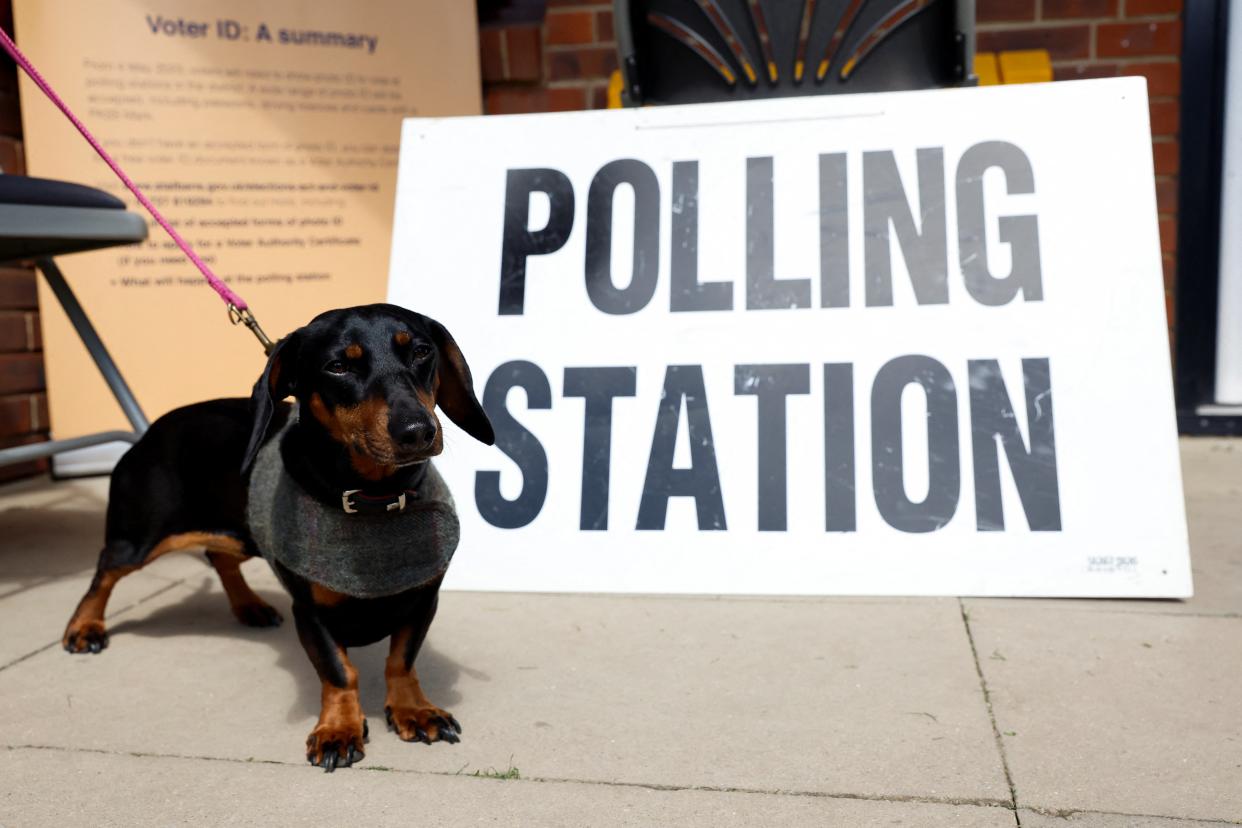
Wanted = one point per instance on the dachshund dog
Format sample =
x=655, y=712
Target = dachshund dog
x=352, y=455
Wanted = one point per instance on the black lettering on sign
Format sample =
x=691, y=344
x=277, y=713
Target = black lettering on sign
x=688, y=293
x=771, y=384
x=834, y=247
x=923, y=247
x=763, y=289
x=887, y=460
x=702, y=480
x=519, y=241
x=598, y=386
x=1034, y=469
x=1021, y=233
x=604, y=293
x=839, y=496
x=521, y=446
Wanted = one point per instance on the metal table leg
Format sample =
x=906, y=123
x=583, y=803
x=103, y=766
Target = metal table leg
x=94, y=345
x=48, y=448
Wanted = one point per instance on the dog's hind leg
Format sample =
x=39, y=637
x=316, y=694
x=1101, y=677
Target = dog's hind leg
x=247, y=606
x=86, y=632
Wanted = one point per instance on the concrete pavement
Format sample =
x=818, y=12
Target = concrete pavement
x=613, y=710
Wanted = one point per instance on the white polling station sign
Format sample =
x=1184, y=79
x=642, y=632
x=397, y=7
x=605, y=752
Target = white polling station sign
x=909, y=344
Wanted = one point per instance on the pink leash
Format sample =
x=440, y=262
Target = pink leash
x=239, y=311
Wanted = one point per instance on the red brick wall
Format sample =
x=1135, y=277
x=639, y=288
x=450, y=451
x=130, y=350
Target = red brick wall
x=561, y=64
x=1104, y=39
x=23, y=401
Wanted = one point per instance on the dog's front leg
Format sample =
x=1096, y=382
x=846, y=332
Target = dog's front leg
x=408, y=709
x=337, y=739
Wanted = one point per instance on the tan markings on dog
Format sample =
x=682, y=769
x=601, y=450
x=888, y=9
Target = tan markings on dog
x=340, y=717
x=363, y=430
x=354, y=351
x=325, y=597
x=197, y=541
x=401, y=337
x=408, y=708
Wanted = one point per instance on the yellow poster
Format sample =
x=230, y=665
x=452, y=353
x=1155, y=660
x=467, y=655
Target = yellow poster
x=267, y=133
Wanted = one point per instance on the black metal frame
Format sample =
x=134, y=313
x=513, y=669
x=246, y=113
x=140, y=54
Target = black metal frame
x=1204, y=46
x=31, y=229
x=103, y=361
x=932, y=49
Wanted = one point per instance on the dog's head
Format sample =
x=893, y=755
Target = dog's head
x=371, y=377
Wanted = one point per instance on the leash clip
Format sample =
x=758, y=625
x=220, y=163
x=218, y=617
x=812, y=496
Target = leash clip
x=245, y=317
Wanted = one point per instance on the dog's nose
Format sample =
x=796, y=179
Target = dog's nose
x=416, y=434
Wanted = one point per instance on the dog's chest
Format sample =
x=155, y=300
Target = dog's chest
x=361, y=555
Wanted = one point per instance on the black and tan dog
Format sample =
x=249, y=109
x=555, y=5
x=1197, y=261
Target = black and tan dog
x=367, y=381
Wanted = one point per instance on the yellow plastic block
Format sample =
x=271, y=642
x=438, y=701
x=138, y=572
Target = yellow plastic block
x=986, y=68
x=615, y=84
x=1027, y=66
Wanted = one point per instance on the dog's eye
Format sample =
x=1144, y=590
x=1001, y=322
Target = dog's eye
x=420, y=353
x=336, y=367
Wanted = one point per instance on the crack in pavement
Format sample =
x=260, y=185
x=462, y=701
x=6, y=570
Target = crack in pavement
x=987, y=700
x=1069, y=813
x=651, y=786
x=1059, y=813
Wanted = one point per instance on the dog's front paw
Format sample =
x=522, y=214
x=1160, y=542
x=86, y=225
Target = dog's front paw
x=423, y=724
x=337, y=745
x=85, y=637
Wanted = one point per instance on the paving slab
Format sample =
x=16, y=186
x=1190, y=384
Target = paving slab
x=1116, y=712
x=72, y=788
x=1212, y=475
x=864, y=698
x=1031, y=819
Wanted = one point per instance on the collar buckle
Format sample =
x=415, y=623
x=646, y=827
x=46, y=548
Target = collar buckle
x=371, y=504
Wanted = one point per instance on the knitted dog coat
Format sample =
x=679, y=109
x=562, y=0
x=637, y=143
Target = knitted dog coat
x=361, y=555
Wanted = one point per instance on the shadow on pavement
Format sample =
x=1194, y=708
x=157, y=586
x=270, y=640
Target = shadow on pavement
x=206, y=612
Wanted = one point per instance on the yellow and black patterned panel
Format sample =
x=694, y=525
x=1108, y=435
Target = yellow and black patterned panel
x=714, y=50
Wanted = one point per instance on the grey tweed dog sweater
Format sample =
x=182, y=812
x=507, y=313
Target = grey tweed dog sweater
x=362, y=555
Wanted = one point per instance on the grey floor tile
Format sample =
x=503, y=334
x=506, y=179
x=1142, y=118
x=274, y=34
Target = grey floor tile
x=70, y=789
x=870, y=699
x=1116, y=712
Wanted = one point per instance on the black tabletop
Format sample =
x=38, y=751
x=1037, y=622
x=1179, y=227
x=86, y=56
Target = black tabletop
x=40, y=217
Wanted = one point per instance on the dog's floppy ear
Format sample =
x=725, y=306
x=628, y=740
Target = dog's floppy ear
x=276, y=383
x=456, y=393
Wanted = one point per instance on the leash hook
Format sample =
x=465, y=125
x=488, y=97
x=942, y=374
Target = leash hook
x=245, y=317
